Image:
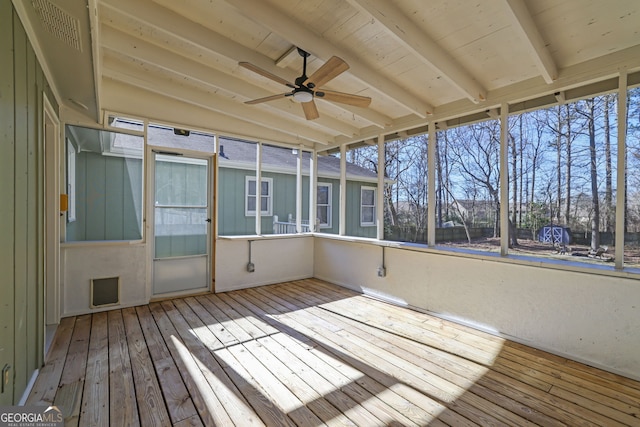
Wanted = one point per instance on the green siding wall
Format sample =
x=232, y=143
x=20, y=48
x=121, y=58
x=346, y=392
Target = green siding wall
x=353, y=227
x=353, y=211
x=231, y=193
x=231, y=217
x=108, y=198
x=22, y=84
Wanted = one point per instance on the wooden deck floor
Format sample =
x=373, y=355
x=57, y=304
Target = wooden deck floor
x=308, y=353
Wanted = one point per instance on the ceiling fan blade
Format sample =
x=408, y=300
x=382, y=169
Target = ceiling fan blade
x=329, y=70
x=265, y=73
x=344, y=98
x=266, y=98
x=310, y=110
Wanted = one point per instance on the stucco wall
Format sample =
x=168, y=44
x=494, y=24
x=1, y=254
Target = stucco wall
x=589, y=317
x=83, y=262
x=276, y=259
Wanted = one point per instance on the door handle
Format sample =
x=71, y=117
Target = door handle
x=208, y=219
x=5, y=376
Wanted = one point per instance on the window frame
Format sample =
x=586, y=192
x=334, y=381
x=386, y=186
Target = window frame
x=269, y=196
x=363, y=206
x=71, y=181
x=328, y=205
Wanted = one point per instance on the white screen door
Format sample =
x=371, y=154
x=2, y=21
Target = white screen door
x=181, y=224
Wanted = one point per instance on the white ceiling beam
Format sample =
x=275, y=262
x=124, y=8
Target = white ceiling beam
x=136, y=48
x=124, y=99
x=577, y=75
x=175, y=26
x=493, y=113
x=288, y=58
x=422, y=46
x=279, y=23
x=238, y=53
x=167, y=21
x=524, y=25
x=145, y=78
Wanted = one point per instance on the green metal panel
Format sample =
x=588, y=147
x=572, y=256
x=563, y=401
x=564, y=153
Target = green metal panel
x=7, y=194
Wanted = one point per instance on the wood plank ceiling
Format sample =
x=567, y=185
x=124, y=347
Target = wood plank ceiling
x=176, y=61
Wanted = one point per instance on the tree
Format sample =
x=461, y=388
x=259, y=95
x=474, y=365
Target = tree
x=475, y=156
x=608, y=192
x=595, y=199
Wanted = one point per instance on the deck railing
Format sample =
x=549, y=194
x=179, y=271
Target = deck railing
x=289, y=226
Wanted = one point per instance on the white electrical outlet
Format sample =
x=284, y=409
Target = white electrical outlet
x=382, y=272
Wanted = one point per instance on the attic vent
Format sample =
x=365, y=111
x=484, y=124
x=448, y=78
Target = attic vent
x=105, y=292
x=58, y=22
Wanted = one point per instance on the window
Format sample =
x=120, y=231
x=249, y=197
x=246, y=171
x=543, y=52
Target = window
x=367, y=206
x=324, y=205
x=265, y=196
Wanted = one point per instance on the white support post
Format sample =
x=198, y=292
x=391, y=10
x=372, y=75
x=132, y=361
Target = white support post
x=621, y=171
x=431, y=185
x=313, y=190
x=504, y=180
x=259, y=189
x=299, y=191
x=380, y=192
x=215, y=188
x=343, y=190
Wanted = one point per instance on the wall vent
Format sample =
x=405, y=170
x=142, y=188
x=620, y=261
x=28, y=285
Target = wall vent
x=105, y=292
x=59, y=23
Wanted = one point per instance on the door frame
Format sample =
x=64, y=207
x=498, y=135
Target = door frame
x=149, y=219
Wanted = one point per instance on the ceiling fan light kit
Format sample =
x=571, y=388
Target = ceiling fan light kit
x=303, y=88
x=303, y=96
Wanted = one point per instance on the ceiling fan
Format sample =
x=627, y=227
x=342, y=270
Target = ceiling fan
x=304, y=89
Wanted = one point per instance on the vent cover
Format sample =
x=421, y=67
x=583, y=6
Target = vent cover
x=59, y=23
x=105, y=292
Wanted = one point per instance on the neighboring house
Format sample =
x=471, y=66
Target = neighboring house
x=237, y=190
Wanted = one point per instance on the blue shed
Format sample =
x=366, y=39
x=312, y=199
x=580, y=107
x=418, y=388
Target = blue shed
x=555, y=234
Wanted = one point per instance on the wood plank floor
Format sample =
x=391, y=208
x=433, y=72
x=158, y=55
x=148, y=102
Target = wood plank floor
x=308, y=353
